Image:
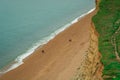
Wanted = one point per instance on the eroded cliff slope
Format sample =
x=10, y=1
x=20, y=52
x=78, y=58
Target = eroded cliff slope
x=91, y=67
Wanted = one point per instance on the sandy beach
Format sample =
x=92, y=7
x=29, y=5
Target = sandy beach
x=59, y=58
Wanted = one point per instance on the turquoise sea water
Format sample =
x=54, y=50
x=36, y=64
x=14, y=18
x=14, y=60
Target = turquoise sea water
x=25, y=24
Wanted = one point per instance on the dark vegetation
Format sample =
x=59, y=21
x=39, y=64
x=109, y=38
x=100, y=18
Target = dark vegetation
x=107, y=23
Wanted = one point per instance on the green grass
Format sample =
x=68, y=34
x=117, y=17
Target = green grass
x=107, y=21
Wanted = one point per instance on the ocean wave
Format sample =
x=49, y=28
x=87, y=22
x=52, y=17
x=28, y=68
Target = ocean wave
x=19, y=59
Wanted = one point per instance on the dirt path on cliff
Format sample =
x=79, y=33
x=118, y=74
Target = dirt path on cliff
x=113, y=41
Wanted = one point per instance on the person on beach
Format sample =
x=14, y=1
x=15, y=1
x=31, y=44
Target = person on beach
x=70, y=40
x=43, y=51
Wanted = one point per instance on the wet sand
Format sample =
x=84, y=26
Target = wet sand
x=59, y=58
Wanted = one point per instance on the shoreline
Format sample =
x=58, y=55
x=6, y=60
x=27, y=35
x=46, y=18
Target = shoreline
x=71, y=27
x=20, y=59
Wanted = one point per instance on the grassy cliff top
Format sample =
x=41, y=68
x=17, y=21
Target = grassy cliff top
x=107, y=23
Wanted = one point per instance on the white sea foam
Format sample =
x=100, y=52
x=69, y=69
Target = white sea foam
x=19, y=59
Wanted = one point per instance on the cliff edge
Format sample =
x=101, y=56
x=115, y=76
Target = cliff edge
x=91, y=68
